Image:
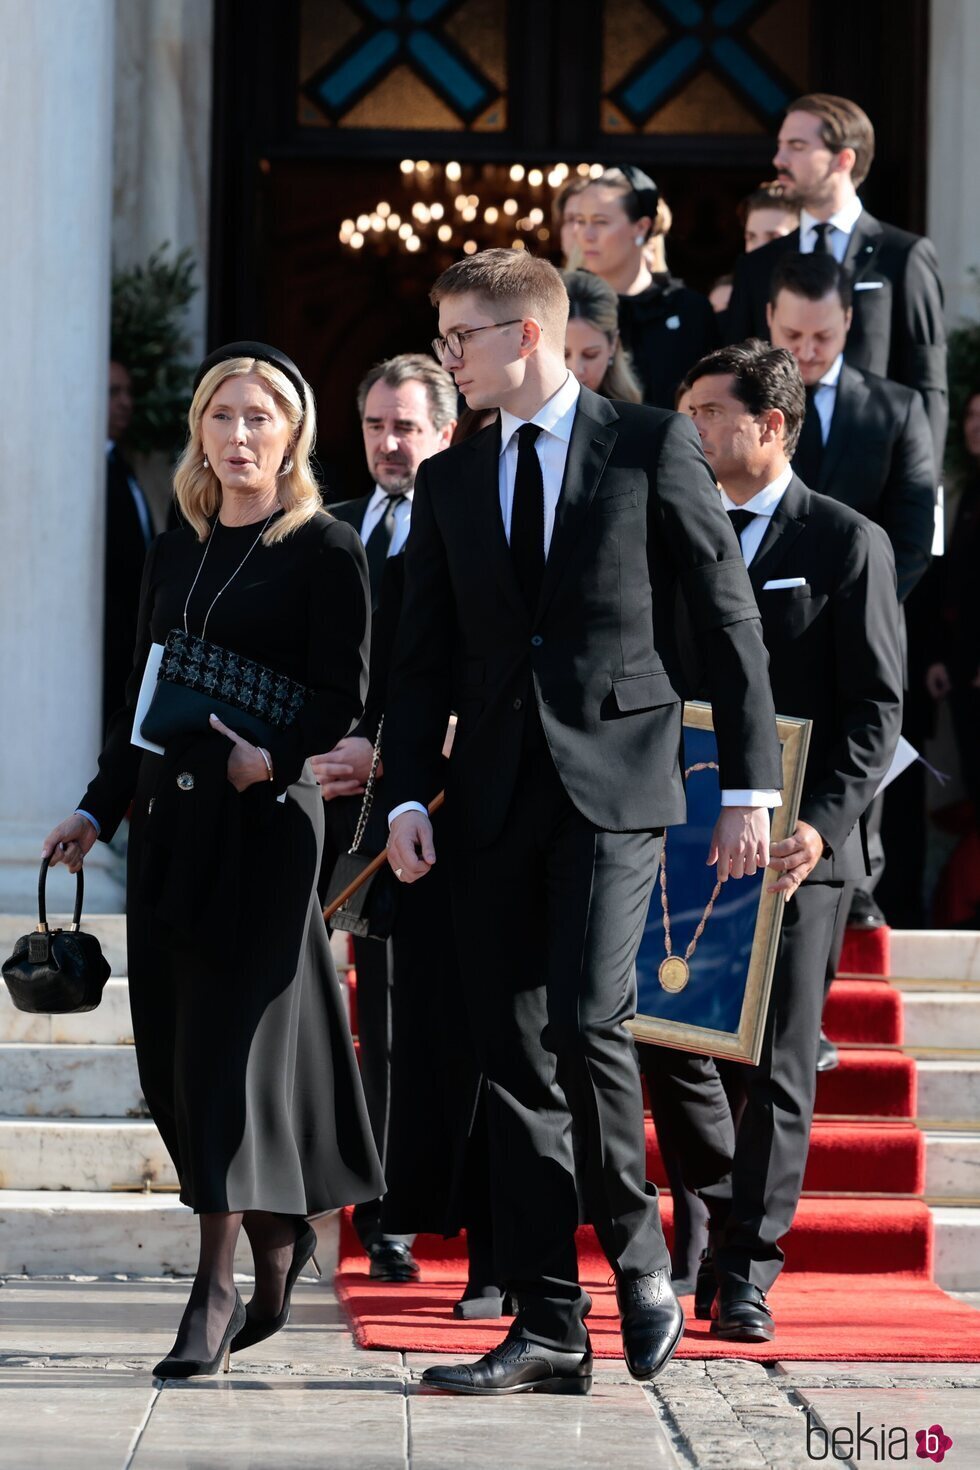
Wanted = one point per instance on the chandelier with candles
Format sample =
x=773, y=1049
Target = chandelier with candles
x=513, y=207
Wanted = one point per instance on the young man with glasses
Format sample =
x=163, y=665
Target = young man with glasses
x=540, y=576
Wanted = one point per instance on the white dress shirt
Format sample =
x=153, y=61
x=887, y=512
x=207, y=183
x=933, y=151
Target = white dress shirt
x=841, y=226
x=825, y=396
x=375, y=513
x=762, y=506
x=556, y=418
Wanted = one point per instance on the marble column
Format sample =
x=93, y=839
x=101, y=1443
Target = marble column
x=954, y=135
x=56, y=87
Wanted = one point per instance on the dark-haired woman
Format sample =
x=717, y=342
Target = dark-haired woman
x=593, y=347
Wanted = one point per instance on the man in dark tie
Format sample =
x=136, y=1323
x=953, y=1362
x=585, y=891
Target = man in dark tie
x=865, y=441
x=408, y=413
x=825, y=150
x=540, y=580
x=128, y=533
x=824, y=577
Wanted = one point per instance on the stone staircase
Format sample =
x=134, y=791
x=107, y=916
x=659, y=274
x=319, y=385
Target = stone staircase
x=86, y=1187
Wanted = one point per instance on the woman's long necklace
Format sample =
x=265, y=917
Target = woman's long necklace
x=675, y=972
x=207, y=548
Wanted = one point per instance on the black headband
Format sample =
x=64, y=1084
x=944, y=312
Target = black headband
x=646, y=191
x=264, y=353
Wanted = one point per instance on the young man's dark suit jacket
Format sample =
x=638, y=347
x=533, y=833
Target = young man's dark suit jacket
x=898, y=330
x=879, y=460
x=835, y=659
x=125, y=552
x=638, y=513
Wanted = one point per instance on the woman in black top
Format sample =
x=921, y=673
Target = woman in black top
x=620, y=224
x=244, y=1052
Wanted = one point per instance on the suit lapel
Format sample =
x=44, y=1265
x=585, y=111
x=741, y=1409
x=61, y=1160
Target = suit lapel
x=594, y=433
x=848, y=402
x=786, y=523
x=863, y=244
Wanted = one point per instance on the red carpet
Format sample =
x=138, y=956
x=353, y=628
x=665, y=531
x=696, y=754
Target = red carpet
x=857, y=1284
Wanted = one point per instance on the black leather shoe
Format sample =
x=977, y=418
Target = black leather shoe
x=864, y=913
x=652, y=1323
x=391, y=1260
x=741, y=1315
x=705, y=1287
x=516, y=1366
x=828, y=1057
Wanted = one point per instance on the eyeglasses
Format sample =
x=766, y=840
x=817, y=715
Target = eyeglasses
x=453, y=341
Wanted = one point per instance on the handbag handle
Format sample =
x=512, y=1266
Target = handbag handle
x=42, y=910
x=369, y=785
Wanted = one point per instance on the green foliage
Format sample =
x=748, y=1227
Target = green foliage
x=148, y=336
x=964, y=381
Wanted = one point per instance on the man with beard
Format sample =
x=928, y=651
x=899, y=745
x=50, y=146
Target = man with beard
x=825, y=151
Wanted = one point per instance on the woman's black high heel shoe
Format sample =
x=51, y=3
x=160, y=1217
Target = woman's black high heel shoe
x=257, y=1329
x=171, y=1367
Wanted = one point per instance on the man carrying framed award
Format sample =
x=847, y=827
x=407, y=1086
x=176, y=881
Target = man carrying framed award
x=824, y=579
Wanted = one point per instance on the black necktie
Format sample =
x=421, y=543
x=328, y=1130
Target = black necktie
x=740, y=519
x=378, y=543
x=527, y=517
x=821, y=242
x=808, y=455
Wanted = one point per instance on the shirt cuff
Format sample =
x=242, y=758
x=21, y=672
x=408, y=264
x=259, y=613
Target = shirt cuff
x=89, y=818
x=751, y=798
x=406, y=806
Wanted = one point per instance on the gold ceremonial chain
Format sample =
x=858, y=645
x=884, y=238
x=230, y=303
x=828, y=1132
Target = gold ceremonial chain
x=674, y=972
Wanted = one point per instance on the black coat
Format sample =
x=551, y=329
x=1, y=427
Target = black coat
x=898, y=330
x=666, y=329
x=638, y=514
x=879, y=460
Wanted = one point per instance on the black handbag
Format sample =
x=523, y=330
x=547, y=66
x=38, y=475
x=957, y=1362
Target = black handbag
x=370, y=912
x=198, y=679
x=56, y=971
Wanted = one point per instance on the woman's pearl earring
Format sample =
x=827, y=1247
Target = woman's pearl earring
x=287, y=467
x=206, y=465
x=639, y=240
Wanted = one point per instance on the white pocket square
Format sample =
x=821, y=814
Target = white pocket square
x=868, y=285
x=782, y=582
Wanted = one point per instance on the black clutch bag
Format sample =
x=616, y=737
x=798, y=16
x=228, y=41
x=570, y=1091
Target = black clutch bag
x=198, y=679
x=369, y=913
x=56, y=971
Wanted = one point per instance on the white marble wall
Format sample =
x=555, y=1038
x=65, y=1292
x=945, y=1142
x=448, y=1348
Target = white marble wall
x=56, y=67
x=954, y=141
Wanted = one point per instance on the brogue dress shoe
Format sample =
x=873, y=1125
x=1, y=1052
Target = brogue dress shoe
x=391, y=1260
x=741, y=1314
x=652, y=1323
x=516, y=1366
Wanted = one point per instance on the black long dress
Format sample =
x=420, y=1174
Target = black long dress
x=245, y=1056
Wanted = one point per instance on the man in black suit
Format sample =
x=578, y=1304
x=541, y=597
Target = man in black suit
x=128, y=533
x=824, y=578
x=407, y=407
x=865, y=441
x=825, y=150
x=540, y=577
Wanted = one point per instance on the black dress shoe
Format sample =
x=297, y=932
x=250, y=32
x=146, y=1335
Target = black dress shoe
x=706, y=1286
x=516, y=1366
x=652, y=1323
x=391, y=1260
x=864, y=913
x=741, y=1315
x=828, y=1057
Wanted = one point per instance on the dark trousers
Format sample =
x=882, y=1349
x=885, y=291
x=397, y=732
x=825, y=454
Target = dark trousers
x=751, y=1202
x=549, y=919
x=373, y=962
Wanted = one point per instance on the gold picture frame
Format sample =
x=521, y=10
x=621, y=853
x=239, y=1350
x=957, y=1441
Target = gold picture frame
x=674, y=1021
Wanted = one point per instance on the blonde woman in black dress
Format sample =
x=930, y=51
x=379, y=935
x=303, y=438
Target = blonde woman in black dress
x=244, y=1052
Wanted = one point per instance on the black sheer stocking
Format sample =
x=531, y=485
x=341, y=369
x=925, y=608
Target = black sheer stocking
x=272, y=1238
x=212, y=1298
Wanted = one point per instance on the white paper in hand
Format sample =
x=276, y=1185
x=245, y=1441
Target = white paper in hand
x=147, y=689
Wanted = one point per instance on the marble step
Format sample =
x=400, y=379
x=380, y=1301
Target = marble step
x=87, y=1234
x=941, y=1017
x=948, y=1089
x=108, y=1025
x=63, y=1080
x=935, y=954
x=111, y=1153
x=956, y=1251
